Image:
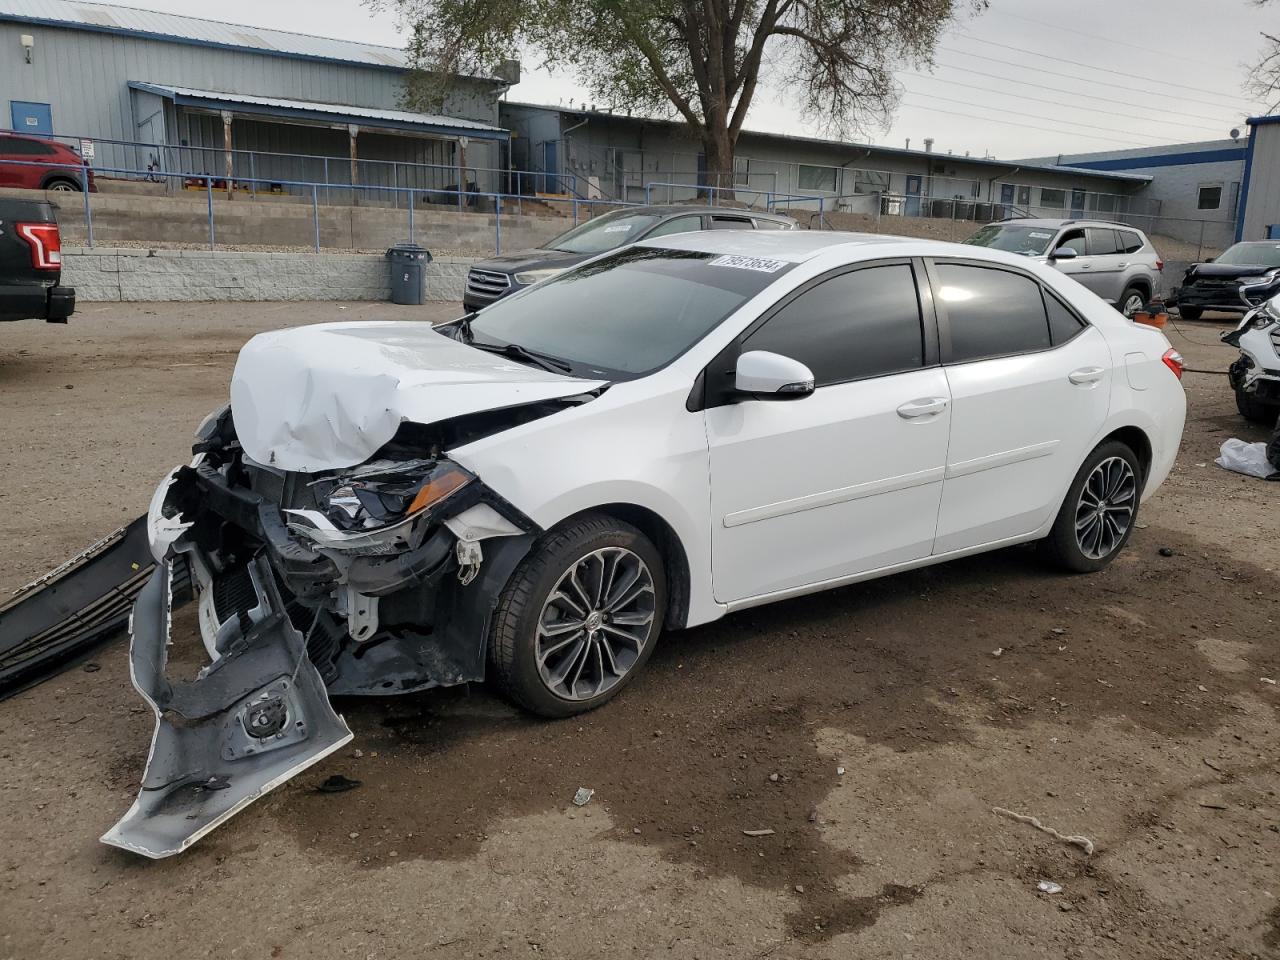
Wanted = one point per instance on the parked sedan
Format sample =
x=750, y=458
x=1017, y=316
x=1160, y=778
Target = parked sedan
x=34, y=163
x=1215, y=284
x=497, y=277
x=667, y=434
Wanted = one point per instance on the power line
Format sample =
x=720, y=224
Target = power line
x=1072, y=106
x=1040, y=86
x=1036, y=116
x=1013, y=123
x=1070, y=76
x=1090, y=66
x=1127, y=44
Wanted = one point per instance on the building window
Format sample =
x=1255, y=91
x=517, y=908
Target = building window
x=1210, y=197
x=1024, y=196
x=1053, y=198
x=870, y=181
x=809, y=177
x=741, y=171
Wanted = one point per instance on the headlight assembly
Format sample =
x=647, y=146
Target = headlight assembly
x=533, y=276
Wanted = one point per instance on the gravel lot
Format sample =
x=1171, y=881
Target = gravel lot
x=1126, y=706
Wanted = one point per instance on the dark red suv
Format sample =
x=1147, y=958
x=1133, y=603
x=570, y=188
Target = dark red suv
x=36, y=164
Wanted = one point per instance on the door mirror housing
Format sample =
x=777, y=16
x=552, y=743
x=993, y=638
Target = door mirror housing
x=1063, y=253
x=771, y=376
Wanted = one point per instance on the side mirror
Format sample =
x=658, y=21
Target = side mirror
x=771, y=376
x=1063, y=253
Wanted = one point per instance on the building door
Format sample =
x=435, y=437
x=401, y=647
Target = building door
x=31, y=117
x=551, y=166
x=1006, y=200
x=913, y=196
x=1077, y=203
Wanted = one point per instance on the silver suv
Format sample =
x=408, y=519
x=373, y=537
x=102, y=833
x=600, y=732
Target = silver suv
x=1114, y=260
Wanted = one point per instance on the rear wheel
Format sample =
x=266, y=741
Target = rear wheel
x=1097, y=517
x=1273, y=447
x=1190, y=313
x=62, y=185
x=1255, y=410
x=579, y=618
x=1132, y=300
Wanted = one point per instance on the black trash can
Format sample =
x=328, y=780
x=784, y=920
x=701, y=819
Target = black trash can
x=408, y=263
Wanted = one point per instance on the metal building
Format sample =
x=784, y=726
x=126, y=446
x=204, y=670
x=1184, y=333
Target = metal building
x=194, y=91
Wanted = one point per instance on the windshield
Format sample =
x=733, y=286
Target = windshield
x=605, y=232
x=629, y=313
x=1029, y=241
x=1252, y=254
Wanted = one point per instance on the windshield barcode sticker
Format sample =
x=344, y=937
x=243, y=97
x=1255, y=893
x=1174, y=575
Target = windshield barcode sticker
x=617, y=228
x=1040, y=236
x=748, y=263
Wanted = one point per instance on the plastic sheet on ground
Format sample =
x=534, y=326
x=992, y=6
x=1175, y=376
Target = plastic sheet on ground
x=1247, y=458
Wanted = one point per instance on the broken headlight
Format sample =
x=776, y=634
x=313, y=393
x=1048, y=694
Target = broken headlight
x=375, y=510
x=378, y=496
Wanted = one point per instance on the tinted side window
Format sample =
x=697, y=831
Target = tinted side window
x=1102, y=242
x=678, y=225
x=991, y=312
x=860, y=324
x=1074, y=240
x=730, y=223
x=1130, y=242
x=1063, y=324
x=770, y=225
x=25, y=148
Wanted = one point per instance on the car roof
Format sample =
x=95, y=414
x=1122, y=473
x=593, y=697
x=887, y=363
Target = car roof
x=1058, y=222
x=667, y=209
x=792, y=246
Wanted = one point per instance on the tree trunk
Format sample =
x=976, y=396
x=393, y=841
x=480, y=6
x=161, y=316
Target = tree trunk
x=719, y=151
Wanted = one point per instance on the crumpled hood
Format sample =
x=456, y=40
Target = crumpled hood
x=328, y=396
x=1226, y=271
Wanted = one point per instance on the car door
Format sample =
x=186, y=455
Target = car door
x=1080, y=267
x=1030, y=386
x=1107, y=260
x=847, y=479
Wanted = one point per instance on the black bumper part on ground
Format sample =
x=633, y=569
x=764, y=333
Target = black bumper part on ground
x=253, y=719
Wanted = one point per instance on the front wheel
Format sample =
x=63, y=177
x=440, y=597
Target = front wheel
x=62, y=185
x=579, y=618
x=1190, y=313
x=1097, y=517
x=1255, y=410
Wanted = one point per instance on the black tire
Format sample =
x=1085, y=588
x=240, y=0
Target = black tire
x=1062, y=547
x=1273, y=446
x=1255, y=410
x=63, y=184
x=1190, y=313
x=1129, y=293
x=514, y=634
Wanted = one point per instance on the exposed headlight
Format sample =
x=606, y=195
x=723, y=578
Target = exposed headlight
x=375, y=510
x=533, y=276
x=1252, y=281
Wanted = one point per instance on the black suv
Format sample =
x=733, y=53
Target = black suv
x=1215, y=284
x=31, y=263
x=492, y=279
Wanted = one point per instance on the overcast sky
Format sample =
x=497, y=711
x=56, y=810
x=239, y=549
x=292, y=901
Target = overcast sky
x=1027, y=78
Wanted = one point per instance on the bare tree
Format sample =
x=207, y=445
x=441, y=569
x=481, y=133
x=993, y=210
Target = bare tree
x=833, y=60
x=1264, y=78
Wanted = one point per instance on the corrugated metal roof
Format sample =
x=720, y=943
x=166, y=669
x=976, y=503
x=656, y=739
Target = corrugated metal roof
x=103, y=16
x=338, y=111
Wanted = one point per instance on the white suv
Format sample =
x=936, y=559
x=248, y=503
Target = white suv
x=1114, y=260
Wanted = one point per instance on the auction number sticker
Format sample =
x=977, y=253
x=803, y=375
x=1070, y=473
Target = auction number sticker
x=1040, y=236
x=758, y=264
x=617, y=228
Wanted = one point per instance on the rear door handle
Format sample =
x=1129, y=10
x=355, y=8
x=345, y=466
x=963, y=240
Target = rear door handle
x=1086, y=375
x=1123, y=264
x=924, y=407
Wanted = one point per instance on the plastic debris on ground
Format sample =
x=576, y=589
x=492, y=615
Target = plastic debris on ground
x=1048, y=886
x=583, y=796
x=1247, y=458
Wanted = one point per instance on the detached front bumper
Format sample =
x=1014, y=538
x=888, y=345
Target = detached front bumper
x=251, y=720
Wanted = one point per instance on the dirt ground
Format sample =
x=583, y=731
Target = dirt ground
x=1126, y=706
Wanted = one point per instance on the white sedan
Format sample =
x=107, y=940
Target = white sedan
x=653, y=440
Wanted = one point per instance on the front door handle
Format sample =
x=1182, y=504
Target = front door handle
x=1122, y=265
x=1086, y=375
x=924, y=407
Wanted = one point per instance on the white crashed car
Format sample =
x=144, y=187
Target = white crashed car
x=666, y=434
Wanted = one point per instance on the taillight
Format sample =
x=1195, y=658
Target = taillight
x=1173, y=360
x=45, y=243
x=1160, y=265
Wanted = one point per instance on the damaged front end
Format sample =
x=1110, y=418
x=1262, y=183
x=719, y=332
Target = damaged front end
x=373, y=579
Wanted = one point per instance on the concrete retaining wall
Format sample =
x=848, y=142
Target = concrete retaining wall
x=135, y=274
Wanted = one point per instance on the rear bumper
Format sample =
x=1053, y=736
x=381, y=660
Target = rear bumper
x=35, y=301
x=60, y=305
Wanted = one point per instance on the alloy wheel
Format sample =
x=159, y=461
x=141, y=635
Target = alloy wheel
x=1132, y=305
x=62, y=187
x=1106, y=507
x=595, y=623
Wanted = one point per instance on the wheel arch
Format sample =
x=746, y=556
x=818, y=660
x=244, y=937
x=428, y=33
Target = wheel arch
x=1136, y=439
x=664, y=537
x=58, y=176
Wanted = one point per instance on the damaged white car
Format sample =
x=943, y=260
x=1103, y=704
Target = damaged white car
x=530, y=495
